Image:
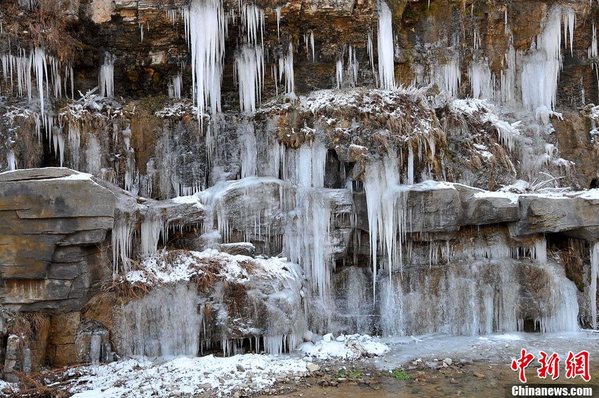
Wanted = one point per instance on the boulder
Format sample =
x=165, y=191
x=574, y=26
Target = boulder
x=52, y=223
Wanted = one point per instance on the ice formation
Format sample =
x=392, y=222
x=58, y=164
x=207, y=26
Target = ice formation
x=286, y=70
x=493, y=303
x=339, y=73
x=205, y=32
x=541, y=67
x=593, y=51
x=106, y=76
x=151, y=228
x=278, y=16
x=163, y=323
x=386, y=47
x=448, y=76
x=122, y=234
x=249, y=67
x=481, y=80
x=11, y=161
x=174, y=89
x=36, y=73
x=253, y=18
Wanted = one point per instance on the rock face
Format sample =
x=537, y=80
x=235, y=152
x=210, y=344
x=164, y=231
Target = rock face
x=54, y=223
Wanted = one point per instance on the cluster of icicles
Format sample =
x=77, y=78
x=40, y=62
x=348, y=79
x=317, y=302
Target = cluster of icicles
x=529, y=78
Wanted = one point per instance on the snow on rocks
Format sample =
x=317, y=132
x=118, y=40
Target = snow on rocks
x=181, y=266
x=344, y=347
x=208, y=375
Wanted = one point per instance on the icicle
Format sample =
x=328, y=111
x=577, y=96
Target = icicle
x=312, y=46
x=172, y=16
x=122, y=234
x=540, y=251
x=481, y=80
x=164, y=323
x=352, y=66
x=253, y=18
x=249, y=66
x=151, y=228
x=593, y=51
x=11, y=160
x=540, y=69
x=378, y=176
x=286, y=69
x=205, y=28
x=106, y=77
x=385, y=47
x=174, y=89
x=410, y=165
x=339, y=73
x=278, y=15
x=593, y=285
x=448, y=76
x=569, y=21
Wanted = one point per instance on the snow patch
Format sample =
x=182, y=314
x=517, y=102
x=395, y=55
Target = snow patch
x=210, y=375
x=344, y=347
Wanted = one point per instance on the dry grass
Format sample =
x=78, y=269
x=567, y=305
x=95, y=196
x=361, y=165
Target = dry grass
x=125, y=289
x=35, y=385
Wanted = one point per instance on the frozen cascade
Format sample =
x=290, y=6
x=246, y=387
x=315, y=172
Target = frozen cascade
x=253, y=18
x=151, y=228
x=122, y=235
x=481, y=297
x=286, y=69
x=354, y=304
x=307, y=166
x=106, y=76
x=540, y=250
x=448, y=76
x=38, y=71
x=593, y=284
x=370, y=51
x=93, y=156
x=481, y=80
x=352, y=67
x=249, y=67
x=205, y=32
x=308, y=241
x=541, y=67
x=163, y=323
x=593, y=51
x=174, y=89
x=378, y=176
x=339, y=73
x=386, y=47
x=11, y=160
x=248, y=148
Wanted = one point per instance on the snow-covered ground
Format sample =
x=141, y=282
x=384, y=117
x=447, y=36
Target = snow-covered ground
x=248, y=373
x=185, y=376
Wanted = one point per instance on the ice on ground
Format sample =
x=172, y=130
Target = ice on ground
x=344, y=347
x=141, y=377
x=499, y=348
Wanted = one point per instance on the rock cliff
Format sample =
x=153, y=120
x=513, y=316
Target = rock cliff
x=186, y=177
